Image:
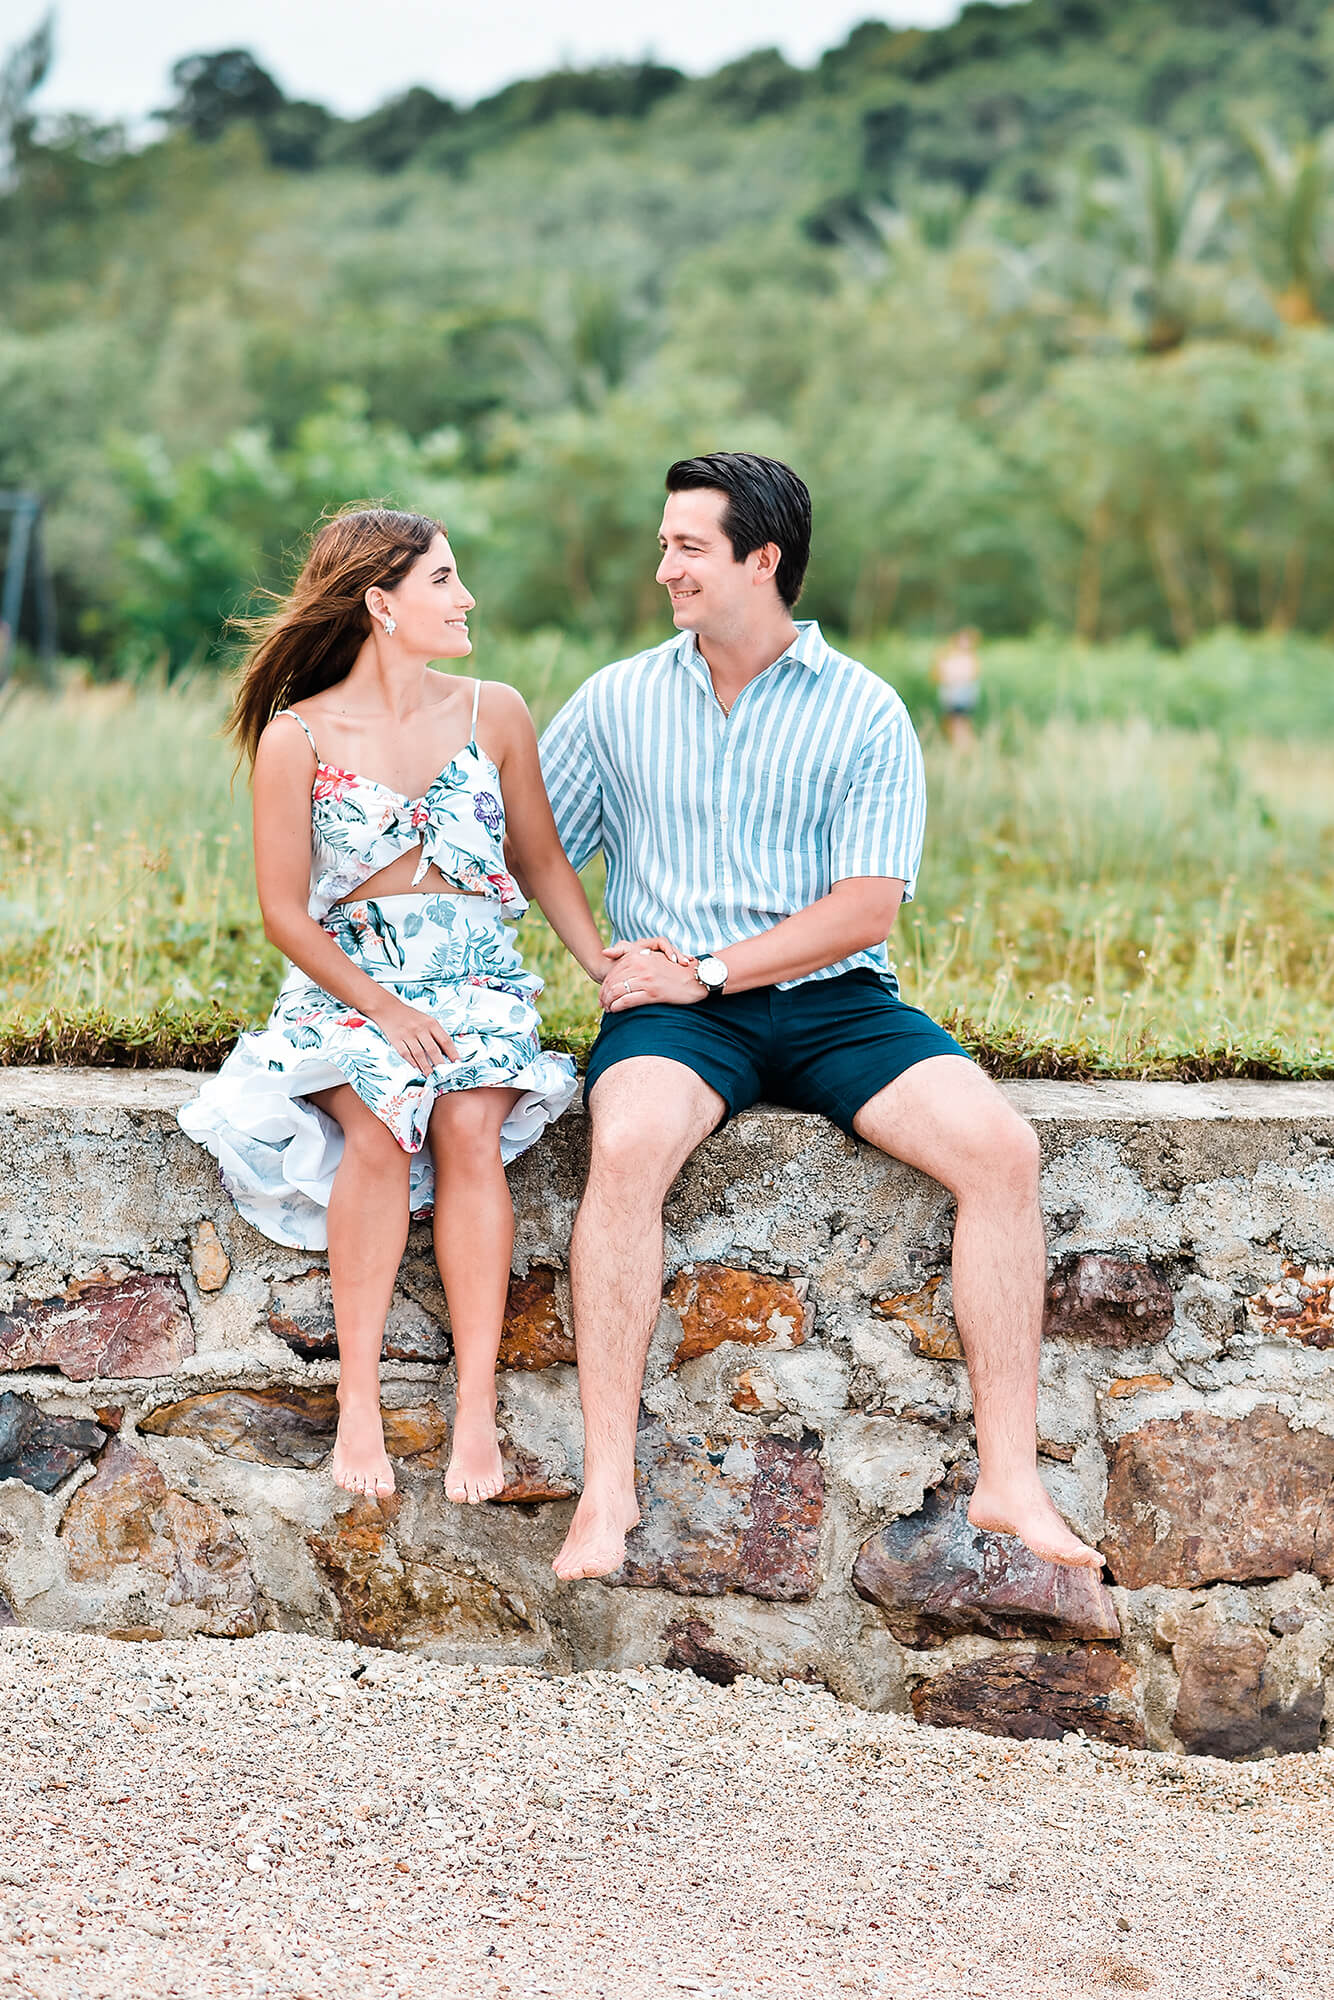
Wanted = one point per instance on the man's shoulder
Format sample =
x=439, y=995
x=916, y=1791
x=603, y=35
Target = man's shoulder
x=852, y=680
x=636, y=668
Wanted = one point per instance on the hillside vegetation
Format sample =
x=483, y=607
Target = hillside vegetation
x=1040, y=303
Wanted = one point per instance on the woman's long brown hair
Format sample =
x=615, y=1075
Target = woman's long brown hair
x=311, y=637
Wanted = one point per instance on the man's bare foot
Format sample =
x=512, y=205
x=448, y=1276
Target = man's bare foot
x=360, y=1463
x=1025, y=1509
x=474, y=1471
x=595, y=1545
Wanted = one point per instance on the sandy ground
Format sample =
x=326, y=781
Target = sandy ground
x=286, y=1816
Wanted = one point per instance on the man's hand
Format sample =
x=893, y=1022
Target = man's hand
x=645, y=974
x=613, y=953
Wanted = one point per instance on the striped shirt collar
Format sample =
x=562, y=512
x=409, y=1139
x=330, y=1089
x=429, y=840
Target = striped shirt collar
x=808, y=649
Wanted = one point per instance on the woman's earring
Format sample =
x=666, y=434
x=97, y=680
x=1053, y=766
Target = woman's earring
x=390, y=626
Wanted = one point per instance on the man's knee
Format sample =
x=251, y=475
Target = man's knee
x=1005, y=1149
x=645, y=1127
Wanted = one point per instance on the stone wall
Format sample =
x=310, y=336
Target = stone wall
x=805, y=1440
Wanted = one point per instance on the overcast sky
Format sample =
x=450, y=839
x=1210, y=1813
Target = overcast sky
x=113, y=60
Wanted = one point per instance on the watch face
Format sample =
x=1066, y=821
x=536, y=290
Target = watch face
x=713, y=974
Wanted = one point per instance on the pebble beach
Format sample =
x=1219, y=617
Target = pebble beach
x=287, y=1816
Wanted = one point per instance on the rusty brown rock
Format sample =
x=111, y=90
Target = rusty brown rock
x=1111, y=1300
x=527, y=1481
x=208, y=1260
x=420, y=1434
x=717, y=1303
x=693, y=1646
x=391, y=1597
x=754, y=1391
x=1137, y=1385
x=535, y=1334
x=1037, y=1695
x=933, y=1575
x=42, y=1449
x=723, y=1514
x=288, y=1426
x=1228, y=1704
x=1203, y=1499
x=127, y=1327
x=927, y=1320
x=1298, y=1306
x=127, y=1515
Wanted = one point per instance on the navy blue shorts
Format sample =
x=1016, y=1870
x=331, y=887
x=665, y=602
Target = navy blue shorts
x=827, y=1045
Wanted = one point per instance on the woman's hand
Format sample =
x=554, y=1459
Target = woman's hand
x=664, y=945
x=416, y=1035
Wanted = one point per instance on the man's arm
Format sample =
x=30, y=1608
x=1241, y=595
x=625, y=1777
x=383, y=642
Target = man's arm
x=854, y=916
x=569, y=772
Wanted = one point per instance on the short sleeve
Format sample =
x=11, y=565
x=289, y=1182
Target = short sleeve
x=880, y=825
x=569, y=771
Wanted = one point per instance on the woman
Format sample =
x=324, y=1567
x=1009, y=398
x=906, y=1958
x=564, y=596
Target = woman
x=402, y=1055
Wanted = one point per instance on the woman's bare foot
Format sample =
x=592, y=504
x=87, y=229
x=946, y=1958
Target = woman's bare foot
x=1024, y=1508
x=474, y=1471
x=360, y=1461
x=595, y=1545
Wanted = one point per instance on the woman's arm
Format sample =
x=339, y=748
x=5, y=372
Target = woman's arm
x=284, y=768
x=539, y=859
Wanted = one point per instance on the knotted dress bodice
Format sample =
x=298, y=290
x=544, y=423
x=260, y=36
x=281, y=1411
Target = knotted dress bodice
x=358, y=826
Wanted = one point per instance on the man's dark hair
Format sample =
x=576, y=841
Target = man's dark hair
x=766, y=502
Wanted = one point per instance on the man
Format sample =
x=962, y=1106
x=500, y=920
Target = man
x=759, y=801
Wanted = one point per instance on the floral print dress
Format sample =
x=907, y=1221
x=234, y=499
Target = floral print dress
x=453, y=955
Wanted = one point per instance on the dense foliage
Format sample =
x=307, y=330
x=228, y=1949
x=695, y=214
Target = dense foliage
x=1039, y=302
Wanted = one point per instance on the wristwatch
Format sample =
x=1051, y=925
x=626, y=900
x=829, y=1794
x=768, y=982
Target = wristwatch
x=711, y=974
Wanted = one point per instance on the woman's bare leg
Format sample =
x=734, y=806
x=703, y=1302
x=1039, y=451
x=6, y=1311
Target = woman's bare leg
x=368, y=1229
x=474, y=1242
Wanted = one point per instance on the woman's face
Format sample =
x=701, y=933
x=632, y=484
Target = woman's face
x=430, y=606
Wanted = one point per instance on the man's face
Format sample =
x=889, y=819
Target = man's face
x=711, y=592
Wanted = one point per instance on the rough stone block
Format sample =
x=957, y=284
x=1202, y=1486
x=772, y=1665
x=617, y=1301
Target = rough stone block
x=717, y=1303
x=301, y=1315
x=208, y=1260
x=1298, y=1306
x=926, y=1317
x=725, y=1514
x=1229, y=1705
x=1037, y=1695
x=535, y=1334
x=1109, y=1300
x=288, y=1426
x=42, y=1449
x=693, y=1645
x=933, y=1575
x=528, y=1481
x=126, y=1327
x=400, y=1598
x=1203, y=1499
x=127, y=1515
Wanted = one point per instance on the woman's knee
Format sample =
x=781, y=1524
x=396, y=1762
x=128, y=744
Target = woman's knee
x=465, y=1127
x=368, y=1142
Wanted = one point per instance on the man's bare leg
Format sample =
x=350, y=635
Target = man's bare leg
x=648, y=1116
x=368, y=1230
x=945, y=1117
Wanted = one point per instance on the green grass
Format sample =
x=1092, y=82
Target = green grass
x=1132, y=872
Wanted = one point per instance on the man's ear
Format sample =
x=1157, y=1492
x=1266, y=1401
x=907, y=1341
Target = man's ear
x=767, y=560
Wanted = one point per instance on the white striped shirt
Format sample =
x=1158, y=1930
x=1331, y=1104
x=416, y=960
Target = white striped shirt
x=717, y=826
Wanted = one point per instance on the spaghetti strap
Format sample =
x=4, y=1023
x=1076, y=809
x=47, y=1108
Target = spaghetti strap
x=476, y=698
x=296, y=718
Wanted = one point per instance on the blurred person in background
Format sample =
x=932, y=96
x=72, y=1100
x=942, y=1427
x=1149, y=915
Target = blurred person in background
x=759, y=800
x=957, y=674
